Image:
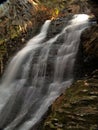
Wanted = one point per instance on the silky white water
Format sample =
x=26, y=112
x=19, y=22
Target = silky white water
x=28, y=88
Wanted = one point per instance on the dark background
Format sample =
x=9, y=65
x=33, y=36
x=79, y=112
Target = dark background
x=2, y=1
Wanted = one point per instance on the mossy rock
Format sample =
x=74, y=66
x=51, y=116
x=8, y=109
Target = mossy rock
x=77, y=108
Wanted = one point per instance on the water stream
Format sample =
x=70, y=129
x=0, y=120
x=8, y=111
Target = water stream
x=38, y=74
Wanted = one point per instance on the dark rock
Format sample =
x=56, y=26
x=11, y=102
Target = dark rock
x=76, y=108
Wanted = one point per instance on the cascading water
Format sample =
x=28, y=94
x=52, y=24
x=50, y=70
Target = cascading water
x=28, y=88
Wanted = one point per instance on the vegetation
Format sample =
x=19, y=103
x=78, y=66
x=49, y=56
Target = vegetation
x=17, y=18
x=20, y=17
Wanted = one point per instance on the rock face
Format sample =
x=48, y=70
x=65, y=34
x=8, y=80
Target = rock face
x=89, y=40
x=77, y=108
x=94, y=7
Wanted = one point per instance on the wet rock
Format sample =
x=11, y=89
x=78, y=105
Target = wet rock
x=89, y=47
x=76, y=109
x=94, y=7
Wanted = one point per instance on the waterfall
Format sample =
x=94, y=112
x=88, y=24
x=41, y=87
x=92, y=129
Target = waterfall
x=38, y=74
